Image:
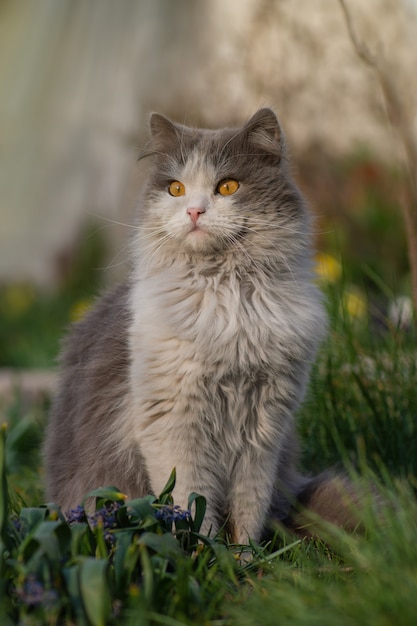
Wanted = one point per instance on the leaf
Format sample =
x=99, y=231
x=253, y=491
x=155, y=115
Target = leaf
x=200, y=505
x=55, y=512
x=166, y=493
x=147, y=573
x=48, y=539
x=33, y=516
x=224, y=559
x=54, y=539
x=71, y=576
x=125, y=558
x=3, y=485
x=94, y=589
x=22, y=444
x=82, y=540
x=164, y=545
x=104, y=494
x=101, y=545
x=143, y=511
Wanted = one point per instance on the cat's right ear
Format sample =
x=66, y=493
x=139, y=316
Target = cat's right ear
x=264, y=132
x=164, y=135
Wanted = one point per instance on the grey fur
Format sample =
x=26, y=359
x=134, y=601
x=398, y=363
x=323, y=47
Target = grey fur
x=201, y=361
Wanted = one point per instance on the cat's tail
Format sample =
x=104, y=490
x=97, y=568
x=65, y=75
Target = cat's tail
x=329, y=498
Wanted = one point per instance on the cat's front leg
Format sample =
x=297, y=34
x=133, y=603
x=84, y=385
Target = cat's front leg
x=181, y=444
x=251, y=493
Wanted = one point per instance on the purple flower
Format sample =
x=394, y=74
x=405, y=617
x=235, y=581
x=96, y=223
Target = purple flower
x=169, y=514
x=76, y=516
x=109, y=538
x=33, y=593
x=106, y=516
x=17, y=523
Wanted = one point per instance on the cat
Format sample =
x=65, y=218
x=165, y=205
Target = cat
x=201, y=359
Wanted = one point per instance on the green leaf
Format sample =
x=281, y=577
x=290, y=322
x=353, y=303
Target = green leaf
x=54, y=539
x=200, y=505
x=101, y=545
x=33, y=516
x=147, y=573
x=104, y=494
x=125, y=559
x=166, y=493
x=164, y=545
x=48, y=539
x=94, y=589
x=22, y=444
x=143, y=511
x=82, y=540
x=3, y=485
x=54, y=512
x=71, y=576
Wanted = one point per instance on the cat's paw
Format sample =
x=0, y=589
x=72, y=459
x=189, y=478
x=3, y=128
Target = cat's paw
x=245, y=555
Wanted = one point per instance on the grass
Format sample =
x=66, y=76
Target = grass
x=145, y=562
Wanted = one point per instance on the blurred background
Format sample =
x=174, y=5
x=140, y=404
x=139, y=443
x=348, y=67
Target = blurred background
x=78, y=79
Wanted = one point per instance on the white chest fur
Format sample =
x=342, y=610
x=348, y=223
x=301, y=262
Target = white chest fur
x=197, y=339
x=225, y=321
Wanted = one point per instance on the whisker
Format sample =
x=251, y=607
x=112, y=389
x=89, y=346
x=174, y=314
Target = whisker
x=154, y=248
x=110, y=221
x=267, y=239
x=260, y=222
x=156, y=230
x=256, y=262
x=98, y=230
x=233, y=239
x=111, y=264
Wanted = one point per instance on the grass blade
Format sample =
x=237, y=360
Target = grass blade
x=94, y=590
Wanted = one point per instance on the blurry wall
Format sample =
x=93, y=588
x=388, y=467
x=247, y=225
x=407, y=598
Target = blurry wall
x=79, y=77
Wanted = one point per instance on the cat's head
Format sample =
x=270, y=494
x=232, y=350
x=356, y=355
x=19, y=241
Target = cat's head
x=215, y=191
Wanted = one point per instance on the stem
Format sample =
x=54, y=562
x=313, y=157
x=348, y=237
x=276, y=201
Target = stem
x=400, y=120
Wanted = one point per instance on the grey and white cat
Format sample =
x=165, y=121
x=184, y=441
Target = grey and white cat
x=201, y=360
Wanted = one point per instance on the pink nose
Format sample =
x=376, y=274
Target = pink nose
x=195, y=214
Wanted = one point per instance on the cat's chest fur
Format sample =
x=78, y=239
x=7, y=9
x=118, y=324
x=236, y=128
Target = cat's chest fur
x=228, y=321
x=213, y=348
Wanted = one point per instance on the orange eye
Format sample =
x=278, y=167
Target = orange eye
x=227, y=187
x=176, y=188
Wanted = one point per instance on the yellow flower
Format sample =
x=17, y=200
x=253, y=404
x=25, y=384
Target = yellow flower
x=134, y=590
x=79, y=309
x=355, y=303
x=18, y=298
x=328, y=268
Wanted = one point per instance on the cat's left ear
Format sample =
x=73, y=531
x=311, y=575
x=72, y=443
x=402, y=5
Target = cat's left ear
x=162, y=128
x=164, y=135
x=264, y=132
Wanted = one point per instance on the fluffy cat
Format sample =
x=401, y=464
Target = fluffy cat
x=202, y=359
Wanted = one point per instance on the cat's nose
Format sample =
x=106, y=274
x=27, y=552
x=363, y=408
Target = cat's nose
x=195, y=214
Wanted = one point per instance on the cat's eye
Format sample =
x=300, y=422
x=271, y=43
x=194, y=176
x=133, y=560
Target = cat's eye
x=227, y=187
x=176, y=188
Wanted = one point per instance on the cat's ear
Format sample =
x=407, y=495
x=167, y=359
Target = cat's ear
x=164, y=134
x=264, y=132
x=162, y=128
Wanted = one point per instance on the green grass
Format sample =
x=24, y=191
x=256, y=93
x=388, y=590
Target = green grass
x=362, y=404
